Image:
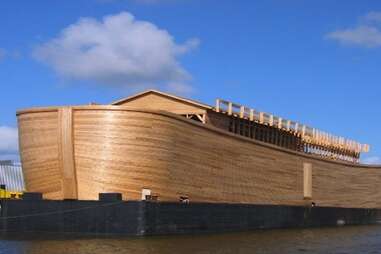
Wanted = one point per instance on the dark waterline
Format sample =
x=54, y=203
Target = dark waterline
x=356, y=239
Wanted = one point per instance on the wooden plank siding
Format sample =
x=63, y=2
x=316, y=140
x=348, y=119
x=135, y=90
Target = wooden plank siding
x=155, y=101
x=121, y=149
x=39, y=152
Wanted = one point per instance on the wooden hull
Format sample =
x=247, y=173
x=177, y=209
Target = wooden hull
x=78, y=152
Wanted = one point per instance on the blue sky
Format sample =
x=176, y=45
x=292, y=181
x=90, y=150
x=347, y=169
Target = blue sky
x=316, y=62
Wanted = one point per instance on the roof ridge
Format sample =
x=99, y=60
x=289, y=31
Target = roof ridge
x=189, y=101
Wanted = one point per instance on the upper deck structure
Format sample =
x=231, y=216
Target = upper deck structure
x=252, y=124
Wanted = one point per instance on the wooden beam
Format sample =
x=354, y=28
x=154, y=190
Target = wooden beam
x=271, y=120
x=251, y=114
x=242, y=112
x=201, y=117
x=288, y=125
x=307, y=180
x=66, y=147
x=261, y=117
x=218, y=105
x=280, y=123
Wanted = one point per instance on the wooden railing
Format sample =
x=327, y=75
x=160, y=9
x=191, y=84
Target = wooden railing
x=316, y=140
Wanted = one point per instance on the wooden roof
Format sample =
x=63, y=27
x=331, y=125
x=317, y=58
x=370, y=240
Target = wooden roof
x=167, y=95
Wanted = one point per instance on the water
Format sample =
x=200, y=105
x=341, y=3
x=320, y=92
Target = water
x=360, y=239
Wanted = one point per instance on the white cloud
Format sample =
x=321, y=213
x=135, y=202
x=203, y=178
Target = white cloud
x=8, y=143
x=179, y=88
x=367, y=33
x=362, y=36
x=373, y=16
x=8, y=139
x=375, y=160
x=119, y=50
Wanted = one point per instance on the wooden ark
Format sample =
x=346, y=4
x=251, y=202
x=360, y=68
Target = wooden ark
x=175, y=148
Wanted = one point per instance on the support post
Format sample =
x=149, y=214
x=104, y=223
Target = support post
x=307, y=180
x=251, y=114
x=261, y=117
x=242, y=112
x=66, y=147
x=218, y=105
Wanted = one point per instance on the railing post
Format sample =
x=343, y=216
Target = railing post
x=230, y=108
x=251, y=114
x=242, y=112
x=288, y=125
x=218, y=105
x=303, y=131
x=261, y=117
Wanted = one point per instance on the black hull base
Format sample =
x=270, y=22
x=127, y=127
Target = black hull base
x=158, y=218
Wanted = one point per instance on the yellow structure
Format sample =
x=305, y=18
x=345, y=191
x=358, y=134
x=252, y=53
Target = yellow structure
x=4, y=194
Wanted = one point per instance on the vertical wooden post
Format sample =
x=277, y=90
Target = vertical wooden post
x=251, y=114
x=230, y=108
x=218, y=105
x=232, y=124
x=66, y=147
x=271, y=120
x=261, y=118
x=242, y=112
x=280, y=121
x=307, y=180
